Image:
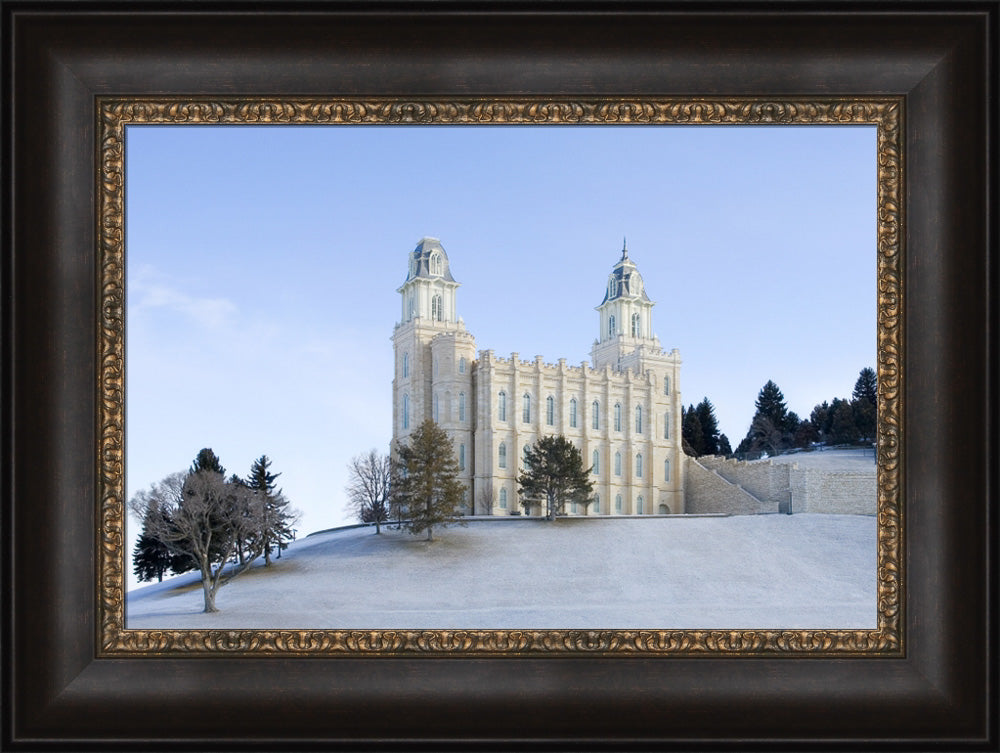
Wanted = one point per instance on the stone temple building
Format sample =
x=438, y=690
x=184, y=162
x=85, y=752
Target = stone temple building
x=622, y=410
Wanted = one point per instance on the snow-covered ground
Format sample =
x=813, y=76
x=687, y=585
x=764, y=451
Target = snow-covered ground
x=832, y=460
x=762, y=571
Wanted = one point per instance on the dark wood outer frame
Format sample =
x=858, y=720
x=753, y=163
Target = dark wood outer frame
x=59, y=694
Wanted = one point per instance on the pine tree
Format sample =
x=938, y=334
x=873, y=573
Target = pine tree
x=428, y=485
x=276, y=530
x=865, y=399
x=150, y=558
x=206, y=460
x=725, y=449
x=843, y=429
x=554, y=475
x=769, y=426
x=866, y=387
x=709, y=427
x=691, y=432
x=771, y=404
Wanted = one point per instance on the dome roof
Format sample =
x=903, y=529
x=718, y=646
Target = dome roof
x=624, y=280
x=429, y=260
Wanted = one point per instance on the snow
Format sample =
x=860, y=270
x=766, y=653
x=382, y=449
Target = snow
x=763, y=571
x=831, y=460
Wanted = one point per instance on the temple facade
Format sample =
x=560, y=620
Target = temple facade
x=622, y=410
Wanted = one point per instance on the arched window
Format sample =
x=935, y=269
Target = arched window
x=666, y=425
x=434, y=408
x=618, y=503
x=550, y=410
x=526, y=408
x=666, y=385
x=597, y=504
x=461, y=365
x=618, y=416
x=573, y=508
x=666, y=470
x=409, y=309
x=461, y=457
x=611, y=326
x=618, y=464
x=638, y=505
x=406, y=411
x=572, y=413
x=638, y=419
x=636, y=326
x=502, y=456
x=595, y=409
x=461, y=406
x=503, y=499
x=435, y=264
x=638, y=465
x=437, y=308
x=595, y=466
x=613, y=288
x=406, y=365
x=502, y=406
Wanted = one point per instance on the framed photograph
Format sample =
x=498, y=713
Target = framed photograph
x=90, y=110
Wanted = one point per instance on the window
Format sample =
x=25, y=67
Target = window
x=573, y=508
x=611, y=326
x=502, y=456
x=409, y=309
x=461, y=365
x=435, y=264
x=666, y=385
x=638, y=465
x=526, y=408
x=638, y=505
x=597, y=504
x=502, y=406
x=550, y=410
x=596, y=464
x=638, y=419
x=406, y=411
x=461, y=457
x=572, y=413
x=666, y=470
x=618, y=464
x=618, y=503
x=595, y=408
x=461, y=406
x=406, y=364
x=618, y=416
x=666, y=425
x=434, y=408
x=437, y=308
x=613, y=288
x=636, y=326
x=503, y=499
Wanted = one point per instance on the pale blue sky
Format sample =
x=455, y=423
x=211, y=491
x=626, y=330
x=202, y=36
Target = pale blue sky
x=258, y=256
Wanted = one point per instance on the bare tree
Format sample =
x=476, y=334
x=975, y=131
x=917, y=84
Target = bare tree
x=369, y=486
x=206, y=518
x=486, y=499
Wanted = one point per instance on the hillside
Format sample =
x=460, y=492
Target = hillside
x=763, y=571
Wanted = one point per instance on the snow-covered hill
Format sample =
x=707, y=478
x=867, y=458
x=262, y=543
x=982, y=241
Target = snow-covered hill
x=765, y=571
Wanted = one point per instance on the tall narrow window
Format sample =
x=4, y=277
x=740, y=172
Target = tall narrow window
x=597, y=504
x=666, y=385
x=503, y=499
x=550, y=410
x=572, y=413
x=502, y=406
x=406, y=364
x=638, y=505
x=618, y=503
x=638, y=419
x=595, y=465
x=638, y=465
x=613, y=288
x=618, y=464
x=406, y=411
x=666, y=425
x=461, y=457
x=502, y=456
x=666, y=470
x=618, y=416
x=636, y=326
x=595, y=408
x=434, y=408
x=526, y=408
x=461, y=406
x=573, y=507
x=611, y=326
x=461, y=365
x=437, y=308
x=435, y=264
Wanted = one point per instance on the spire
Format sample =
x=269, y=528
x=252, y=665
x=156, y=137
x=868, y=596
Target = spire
x=624, y=248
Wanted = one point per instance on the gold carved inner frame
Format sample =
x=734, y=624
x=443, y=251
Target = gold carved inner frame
x=114, y=114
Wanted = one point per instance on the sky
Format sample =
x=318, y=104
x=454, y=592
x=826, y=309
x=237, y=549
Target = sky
x=262, y=265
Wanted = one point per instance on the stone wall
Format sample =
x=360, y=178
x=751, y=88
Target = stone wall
x=844, y=492
x=763, y=479
x=708, y=492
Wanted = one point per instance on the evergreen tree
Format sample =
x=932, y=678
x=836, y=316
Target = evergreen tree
x=279, y=518
x=866, y=387
x=769, y=426
x=206, y=460
x=554, y=475
x=805, y=434
x=843, y=430
x=691, y=432
x=150, y=558
x=771, y=404
x=709, y=427
x=428, y=485
x=725, y=449
x=820, y=419
x=865, y=397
